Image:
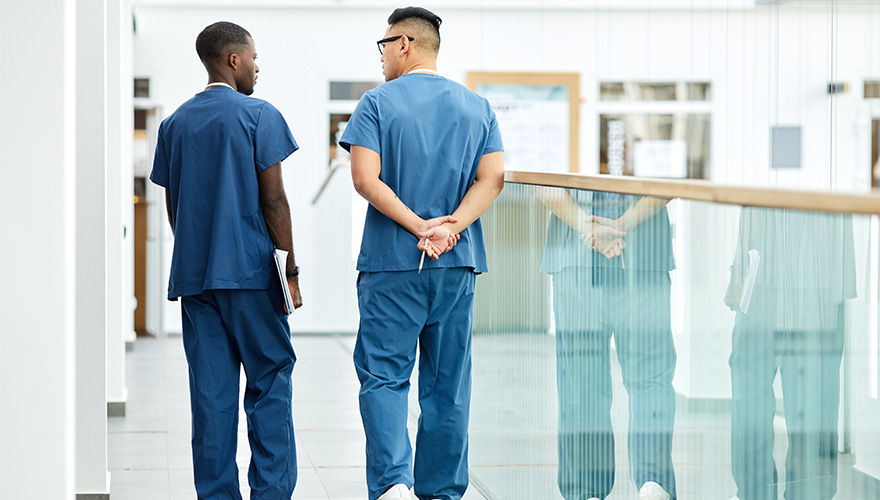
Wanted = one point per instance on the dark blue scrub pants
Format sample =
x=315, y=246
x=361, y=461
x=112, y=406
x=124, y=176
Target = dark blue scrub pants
x=399, y=312
x=808, y=362
x=589, y=305
x=223, y=330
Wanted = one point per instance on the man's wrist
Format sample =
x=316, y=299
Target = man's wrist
x=294, y=273
x=418, y=225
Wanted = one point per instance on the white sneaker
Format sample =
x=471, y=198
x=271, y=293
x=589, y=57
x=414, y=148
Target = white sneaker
x=395, y=492
x=652, y=491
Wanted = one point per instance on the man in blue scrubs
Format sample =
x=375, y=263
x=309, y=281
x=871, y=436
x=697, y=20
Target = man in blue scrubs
x=610, y=256
x=422, y=148
x=801, y=266
x=219, y=159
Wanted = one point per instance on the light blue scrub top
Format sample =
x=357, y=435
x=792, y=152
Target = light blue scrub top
x=431, y=134
x=208, y=154
x=648, y=245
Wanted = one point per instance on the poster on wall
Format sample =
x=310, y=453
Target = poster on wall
x=537, y=114
x=660, y=159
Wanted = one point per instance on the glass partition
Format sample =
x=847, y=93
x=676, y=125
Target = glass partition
x=716, y=350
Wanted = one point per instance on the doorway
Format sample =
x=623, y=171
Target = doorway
x=150, y=238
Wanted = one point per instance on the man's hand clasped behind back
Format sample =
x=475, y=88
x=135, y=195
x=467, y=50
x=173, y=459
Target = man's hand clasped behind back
x=605, y=236
x=440, y=238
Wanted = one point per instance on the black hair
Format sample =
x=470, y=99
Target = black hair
x=418, y=13
x=213, y=40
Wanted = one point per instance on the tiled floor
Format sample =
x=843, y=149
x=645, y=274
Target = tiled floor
x=512, y=429
x=149, y=450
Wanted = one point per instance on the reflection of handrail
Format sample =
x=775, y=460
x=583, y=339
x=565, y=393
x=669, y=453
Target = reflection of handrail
x=706, y=191
x=334, y=166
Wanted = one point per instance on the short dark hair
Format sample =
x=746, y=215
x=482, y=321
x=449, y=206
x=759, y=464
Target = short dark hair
x=213, y=41
x=418, y=14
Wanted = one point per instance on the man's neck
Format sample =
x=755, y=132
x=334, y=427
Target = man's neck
x=216, y=77
x=422, y=67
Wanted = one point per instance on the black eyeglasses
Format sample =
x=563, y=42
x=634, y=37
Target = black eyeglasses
x=381, y=43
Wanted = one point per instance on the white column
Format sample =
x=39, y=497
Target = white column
x=37, y=208
x=92, y=477
x=118, y=117
x=126, y=104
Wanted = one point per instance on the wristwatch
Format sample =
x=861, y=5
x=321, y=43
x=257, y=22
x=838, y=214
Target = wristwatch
x=294, y=273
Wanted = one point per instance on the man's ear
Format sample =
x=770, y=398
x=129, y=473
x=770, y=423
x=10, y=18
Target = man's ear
x=405, y=45
x=233, y=60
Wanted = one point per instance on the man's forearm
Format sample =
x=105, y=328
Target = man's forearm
x=277, y=215
x=383, y=199
x=643, y=210
x=168, y=209
x=563, y=207
x=475, y=202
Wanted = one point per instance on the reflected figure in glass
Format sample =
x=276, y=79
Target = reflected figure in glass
x=609, y=256
x=791, y=275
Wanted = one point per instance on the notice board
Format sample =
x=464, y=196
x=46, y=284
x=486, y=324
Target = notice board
x=538, y=115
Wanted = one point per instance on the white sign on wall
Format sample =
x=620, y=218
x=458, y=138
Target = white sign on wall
x=534, y=124
x=660, y=159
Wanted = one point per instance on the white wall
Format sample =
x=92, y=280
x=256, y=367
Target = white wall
x=91, y=255
x=119, y=184
x=37, y=299
x=506, y=5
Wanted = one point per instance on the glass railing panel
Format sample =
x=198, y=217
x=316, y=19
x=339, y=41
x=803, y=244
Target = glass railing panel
x=714, y=349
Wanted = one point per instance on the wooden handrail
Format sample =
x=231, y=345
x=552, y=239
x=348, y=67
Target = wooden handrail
x=817, y=201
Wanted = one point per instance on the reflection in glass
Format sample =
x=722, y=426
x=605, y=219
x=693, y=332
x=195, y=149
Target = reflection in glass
x=609, y=256
x=791, y=275
x=546, y=345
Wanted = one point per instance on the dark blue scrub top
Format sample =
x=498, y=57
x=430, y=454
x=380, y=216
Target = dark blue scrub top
x=208, y=154
x=431, y=134
x=648, y=245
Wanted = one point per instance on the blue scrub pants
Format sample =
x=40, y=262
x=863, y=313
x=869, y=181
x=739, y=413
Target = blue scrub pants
x=223, y=330
x=402, y=311
x=590, y=305
x=808, y=362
